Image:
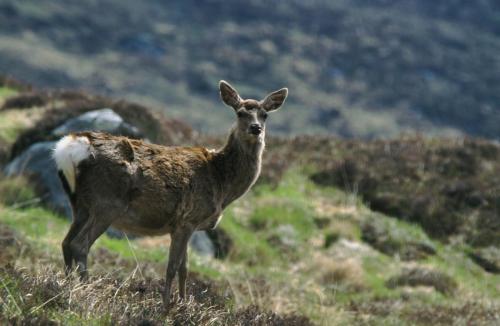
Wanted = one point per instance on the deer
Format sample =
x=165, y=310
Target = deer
x=147, y=189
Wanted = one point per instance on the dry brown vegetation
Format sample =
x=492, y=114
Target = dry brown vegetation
x=26, y=293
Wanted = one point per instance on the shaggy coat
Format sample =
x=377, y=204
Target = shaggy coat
x=149, y=189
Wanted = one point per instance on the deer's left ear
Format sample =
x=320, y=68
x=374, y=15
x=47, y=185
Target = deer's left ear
x=274, y=100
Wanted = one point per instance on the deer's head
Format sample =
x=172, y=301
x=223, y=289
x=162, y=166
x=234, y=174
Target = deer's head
x=251, y=114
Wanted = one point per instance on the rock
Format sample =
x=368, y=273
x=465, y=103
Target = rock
x=222, y=242
x=201, y=243
x=423, y=277
x=285, y=237
x=37, y=162
x=347, y=249
x=488, y=258
x=105, y=120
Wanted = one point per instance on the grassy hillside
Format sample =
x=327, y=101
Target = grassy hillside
x=354, y=68
x=298, y=251
x=303, y=252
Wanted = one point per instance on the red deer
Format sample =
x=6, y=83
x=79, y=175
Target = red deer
x=149, y=189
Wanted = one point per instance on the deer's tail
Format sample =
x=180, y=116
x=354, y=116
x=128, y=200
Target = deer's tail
x=68, y=153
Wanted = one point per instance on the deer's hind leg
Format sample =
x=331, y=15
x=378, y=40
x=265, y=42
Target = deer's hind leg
x=182, y=276
x=80, y=216
x=94, y=227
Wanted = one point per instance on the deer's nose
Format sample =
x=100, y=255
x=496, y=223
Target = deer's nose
x=255, y=128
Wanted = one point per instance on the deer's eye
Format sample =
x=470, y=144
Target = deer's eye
x=264, y=115
x=240, y=114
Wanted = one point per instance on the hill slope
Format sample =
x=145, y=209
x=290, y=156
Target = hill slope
x=301, y=247
x=354, y=68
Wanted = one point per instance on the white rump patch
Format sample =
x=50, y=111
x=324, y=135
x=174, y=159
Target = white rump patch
x=70, y=151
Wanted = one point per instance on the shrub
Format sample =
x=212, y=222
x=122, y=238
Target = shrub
x=423, y=277
x=25, y=101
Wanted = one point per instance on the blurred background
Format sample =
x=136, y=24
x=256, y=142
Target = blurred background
x=378, y=201
x=356, y=68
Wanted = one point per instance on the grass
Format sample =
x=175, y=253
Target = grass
x=249, y=246
x=6, y=92
x=13, y=122
x=344, y=283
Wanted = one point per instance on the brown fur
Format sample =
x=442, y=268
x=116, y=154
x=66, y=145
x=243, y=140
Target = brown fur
x=150, y=189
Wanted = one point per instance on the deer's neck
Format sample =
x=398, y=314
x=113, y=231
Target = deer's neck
x=238, y=165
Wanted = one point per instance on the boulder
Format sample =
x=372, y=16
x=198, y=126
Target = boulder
x=202, y=244
x=105, y=120
x=37, y=162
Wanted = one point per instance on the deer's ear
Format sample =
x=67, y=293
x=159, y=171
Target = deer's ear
x=229, y=95
x=274, y=100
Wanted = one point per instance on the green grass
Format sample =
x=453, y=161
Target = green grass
x=35, y=222
x=6, y=92
x=271, y=216
x=249, y=246
x=473, y=280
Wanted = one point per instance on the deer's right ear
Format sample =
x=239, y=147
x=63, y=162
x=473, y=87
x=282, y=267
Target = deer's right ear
x=229, y=95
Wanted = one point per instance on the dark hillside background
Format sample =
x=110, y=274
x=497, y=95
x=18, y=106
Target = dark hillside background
x=357, y=68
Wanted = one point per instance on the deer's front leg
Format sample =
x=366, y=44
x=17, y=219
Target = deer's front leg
x=176, y=256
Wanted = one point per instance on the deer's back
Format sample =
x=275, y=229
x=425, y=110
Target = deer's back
x=145, y=188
